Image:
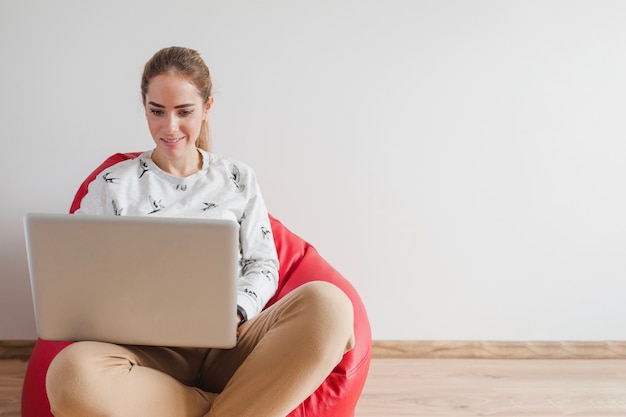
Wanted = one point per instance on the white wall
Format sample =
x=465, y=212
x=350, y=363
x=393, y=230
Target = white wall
x=461, y=162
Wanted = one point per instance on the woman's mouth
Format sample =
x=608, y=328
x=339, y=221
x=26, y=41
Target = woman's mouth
x=171, y=141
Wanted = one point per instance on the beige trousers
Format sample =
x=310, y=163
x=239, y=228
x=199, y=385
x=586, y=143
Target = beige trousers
x=281, y=357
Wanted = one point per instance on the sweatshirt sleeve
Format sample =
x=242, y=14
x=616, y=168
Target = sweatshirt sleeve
x=259, y=261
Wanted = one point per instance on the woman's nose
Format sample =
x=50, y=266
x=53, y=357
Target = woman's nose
x=172, y=124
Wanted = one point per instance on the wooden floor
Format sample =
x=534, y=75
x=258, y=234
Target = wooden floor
x=483, y=387
x=456, y=387
x=11, y=377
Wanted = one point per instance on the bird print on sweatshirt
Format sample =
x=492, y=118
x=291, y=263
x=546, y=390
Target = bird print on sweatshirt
x=236, y=178
x=209, y=206
x=143, y=165
x=110, y=180
x=156, y=205
x=117, y=210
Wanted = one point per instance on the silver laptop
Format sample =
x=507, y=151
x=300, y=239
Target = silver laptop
x=133, y=280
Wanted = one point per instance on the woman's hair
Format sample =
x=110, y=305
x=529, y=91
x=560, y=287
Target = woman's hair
x=188, y=63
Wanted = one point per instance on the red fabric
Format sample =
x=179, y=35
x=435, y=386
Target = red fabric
x=299, y=263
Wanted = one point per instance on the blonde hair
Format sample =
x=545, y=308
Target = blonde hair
x=188, y=63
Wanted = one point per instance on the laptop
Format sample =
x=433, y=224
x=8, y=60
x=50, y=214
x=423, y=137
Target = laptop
x=133, y=280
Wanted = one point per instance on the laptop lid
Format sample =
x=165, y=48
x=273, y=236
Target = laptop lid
x=133, y=280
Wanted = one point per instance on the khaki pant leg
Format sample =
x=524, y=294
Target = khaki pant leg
x=282, y=355
x=106, y=380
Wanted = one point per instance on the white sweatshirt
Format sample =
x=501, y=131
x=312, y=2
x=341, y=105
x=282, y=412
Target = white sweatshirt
x=222, y=189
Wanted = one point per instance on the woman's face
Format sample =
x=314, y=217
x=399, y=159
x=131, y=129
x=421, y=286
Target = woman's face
x=175, y=112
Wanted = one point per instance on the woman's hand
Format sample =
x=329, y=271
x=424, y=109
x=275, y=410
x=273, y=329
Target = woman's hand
x=239, y=322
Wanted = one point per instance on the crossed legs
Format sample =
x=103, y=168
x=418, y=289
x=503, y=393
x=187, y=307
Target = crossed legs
x=281, y=357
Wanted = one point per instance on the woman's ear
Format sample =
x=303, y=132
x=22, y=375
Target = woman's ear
x=207, y=106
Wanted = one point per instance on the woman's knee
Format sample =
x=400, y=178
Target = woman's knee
x=73, y=373
x=328, y=305
x=323, y=294
x=68, y=364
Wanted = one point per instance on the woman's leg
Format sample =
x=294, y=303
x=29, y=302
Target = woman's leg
x=107, y=380
x=282, y=355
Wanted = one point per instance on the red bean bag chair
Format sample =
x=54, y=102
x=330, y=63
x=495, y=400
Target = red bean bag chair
x=299, y=263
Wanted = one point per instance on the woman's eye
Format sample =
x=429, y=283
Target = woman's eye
x=185, y=113
x=156, y=112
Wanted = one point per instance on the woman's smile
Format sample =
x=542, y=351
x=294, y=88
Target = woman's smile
x=172, y=141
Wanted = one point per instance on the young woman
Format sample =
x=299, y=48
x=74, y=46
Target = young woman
x=283, y=353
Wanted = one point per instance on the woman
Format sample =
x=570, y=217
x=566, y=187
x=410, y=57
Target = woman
x=283, y=353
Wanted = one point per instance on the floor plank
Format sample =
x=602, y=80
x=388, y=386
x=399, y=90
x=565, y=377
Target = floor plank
x=446, y=349
x=11, y=378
